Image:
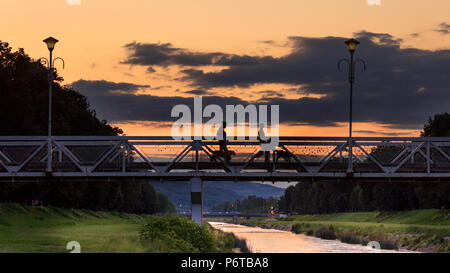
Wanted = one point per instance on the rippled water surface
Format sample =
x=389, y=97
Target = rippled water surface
x=276, y=241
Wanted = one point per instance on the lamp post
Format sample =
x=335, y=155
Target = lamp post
x=352, y=44
x=51, y=42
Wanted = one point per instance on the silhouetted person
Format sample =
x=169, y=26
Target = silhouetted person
x=261, y=138
x=222, y=142
x=223, y=149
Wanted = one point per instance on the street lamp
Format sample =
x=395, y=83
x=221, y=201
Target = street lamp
x=51, y=42
x=352, y=44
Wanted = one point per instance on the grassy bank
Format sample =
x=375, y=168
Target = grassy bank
x=49, y=229
x=421, y=230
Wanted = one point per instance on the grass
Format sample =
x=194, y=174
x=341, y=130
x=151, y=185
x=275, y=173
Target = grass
x=25, y=229
x=422, y=230
x=49, y=229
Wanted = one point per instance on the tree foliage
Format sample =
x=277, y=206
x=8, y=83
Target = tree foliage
x=24, y=111
x=324, y=197
x=251, y=204
x=24, y=101
x=438, y=126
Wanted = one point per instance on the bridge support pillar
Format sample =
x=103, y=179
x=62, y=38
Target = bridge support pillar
x=197, y=200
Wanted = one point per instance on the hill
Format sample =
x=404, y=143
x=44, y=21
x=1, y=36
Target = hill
x=215, y=192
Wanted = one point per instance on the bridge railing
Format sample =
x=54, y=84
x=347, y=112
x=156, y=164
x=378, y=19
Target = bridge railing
x=296, y=158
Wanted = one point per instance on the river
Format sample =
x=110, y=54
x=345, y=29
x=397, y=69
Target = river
x=262, y=240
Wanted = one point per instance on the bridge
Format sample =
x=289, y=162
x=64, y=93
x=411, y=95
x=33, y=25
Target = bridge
x=231, y=214
x=297, y=159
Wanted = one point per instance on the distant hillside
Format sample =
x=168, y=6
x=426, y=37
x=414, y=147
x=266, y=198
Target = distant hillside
x=216, y=192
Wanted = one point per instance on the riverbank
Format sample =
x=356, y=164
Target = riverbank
x=419, y=230
x=27, y=229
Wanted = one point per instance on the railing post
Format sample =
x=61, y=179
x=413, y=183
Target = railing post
x=197, y=147
x=350, y=157
x=197, y=200
x=48, y=170
x=428, y=158
x=124, y=154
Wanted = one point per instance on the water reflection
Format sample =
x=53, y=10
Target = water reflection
x=276, y=241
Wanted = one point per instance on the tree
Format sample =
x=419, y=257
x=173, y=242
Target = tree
x=251, y=204
x=288, y=198
x=24, y=111
x=24, y=101
x=164, y=204
x=439, y=126
x=365, y=197
x=354, y=198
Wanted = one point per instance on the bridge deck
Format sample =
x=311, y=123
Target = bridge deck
x=162, y=158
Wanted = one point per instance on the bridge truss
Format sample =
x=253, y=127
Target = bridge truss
x=164, y=159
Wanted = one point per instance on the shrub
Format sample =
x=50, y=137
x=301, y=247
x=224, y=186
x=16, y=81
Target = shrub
x=300, y=227
x=325, y=233
x=296, y=228
x=182, y=234
x=242, y=245
x=385, y=243
x=350, y=237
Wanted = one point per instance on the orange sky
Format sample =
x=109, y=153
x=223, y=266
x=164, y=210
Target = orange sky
x=93, y=34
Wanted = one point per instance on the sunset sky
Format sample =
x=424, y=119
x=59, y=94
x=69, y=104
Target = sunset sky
x=135, y=59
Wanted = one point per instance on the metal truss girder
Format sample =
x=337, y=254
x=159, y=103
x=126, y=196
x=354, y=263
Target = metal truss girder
x=295, y=158
x=120, y=149
x=210, y=153
x=134, y=148
x=178, y=158
x=372, y=158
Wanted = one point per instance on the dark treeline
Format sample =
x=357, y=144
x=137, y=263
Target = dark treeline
x=24, y=111
x=326, y=197
x=251, y=204
x=121, y=196
x=323, y=197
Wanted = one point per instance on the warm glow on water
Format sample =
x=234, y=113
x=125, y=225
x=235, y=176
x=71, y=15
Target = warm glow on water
x=276, y=241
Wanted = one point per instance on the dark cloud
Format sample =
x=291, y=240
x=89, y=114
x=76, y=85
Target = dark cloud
x=166, y=54
x=383, y=39
x=161, y=87
x=104, y=88
x=382, y=133
x=269, y=42
x=401, y=87
x=327, y=111
x=312, y=62
x=443, y=28
x=121, y=106
x=197, y=92
x=271, y=93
